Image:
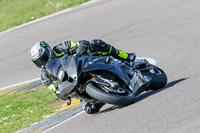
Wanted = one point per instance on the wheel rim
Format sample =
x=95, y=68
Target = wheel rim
x=155, y=71
x=118, y=90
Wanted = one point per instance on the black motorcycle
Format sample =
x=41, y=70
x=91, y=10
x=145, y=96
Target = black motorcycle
x=103, y=79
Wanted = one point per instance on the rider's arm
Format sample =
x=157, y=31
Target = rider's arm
x=47, y=81
x=62, y=48
x=45, y=78
x=71, y=47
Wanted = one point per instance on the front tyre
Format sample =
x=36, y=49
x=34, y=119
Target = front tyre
x=96, y=92
x=159, y=78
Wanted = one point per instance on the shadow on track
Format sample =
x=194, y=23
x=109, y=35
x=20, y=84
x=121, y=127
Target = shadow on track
x=146, y=94
x=149, y=93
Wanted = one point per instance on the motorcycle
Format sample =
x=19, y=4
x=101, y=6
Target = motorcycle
x=103, y=79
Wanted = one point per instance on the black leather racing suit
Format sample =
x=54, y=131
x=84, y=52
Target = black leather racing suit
x=96, y=47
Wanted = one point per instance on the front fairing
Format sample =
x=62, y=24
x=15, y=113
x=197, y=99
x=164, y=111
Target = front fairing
x=64, y=65
x=69, y=65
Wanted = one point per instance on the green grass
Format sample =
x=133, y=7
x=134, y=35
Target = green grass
x=20, y=109
x=16, y=12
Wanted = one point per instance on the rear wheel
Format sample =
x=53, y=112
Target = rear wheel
x=159, y=78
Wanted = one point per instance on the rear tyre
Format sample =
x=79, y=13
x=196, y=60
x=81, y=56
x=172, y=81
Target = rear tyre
x=159, y=78
x=97, y=93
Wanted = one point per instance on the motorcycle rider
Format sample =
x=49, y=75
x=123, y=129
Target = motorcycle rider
x=41, y=53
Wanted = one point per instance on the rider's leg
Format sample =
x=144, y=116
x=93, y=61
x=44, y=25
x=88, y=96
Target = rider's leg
x=100, y=47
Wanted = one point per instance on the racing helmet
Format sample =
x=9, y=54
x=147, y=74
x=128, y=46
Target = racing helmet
x=40, y=54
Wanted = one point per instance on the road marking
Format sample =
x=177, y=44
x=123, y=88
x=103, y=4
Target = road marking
x=25, y=82
x=64, y=121
x=48, y=16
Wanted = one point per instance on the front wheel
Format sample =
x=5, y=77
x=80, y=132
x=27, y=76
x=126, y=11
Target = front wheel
x=159, y=78
x=95, y=91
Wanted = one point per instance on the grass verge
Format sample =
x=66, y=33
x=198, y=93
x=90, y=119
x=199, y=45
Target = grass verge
x=16, y=12
x=20, y=109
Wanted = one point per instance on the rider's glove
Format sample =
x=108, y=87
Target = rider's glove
x=81, y=49
x=52, y=87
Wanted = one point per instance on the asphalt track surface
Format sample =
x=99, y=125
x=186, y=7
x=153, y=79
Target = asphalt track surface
x=167, y=31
